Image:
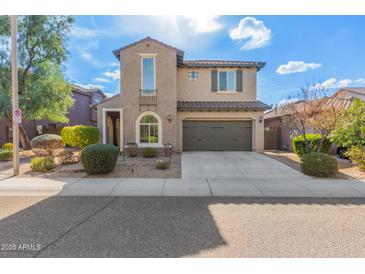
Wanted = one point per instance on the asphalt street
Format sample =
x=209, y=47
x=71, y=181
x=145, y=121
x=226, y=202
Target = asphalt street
x=181, y=227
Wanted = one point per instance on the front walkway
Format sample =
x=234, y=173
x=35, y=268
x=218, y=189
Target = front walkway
x=305, y=187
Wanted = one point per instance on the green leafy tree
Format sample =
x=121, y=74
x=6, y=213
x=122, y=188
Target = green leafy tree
x=350, y=131
x=43, y=90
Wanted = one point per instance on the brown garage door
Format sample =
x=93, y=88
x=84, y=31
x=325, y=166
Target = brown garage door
x=217, y=135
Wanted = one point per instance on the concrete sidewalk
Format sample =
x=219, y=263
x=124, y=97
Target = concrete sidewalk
x=305, y=187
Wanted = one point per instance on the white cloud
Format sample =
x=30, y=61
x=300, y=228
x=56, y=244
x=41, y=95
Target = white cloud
x=86, y=55
x=360, y=80
x=80, y=32
x=252, y=33
x=103, y=80
x=204, y=23
x=296, y=66
x=114, y=64
x=334, y=83
x=287, y=101
x=89, y=86
x=177, y=31
x=115, y=75
x=344, y=82
x=110, y=94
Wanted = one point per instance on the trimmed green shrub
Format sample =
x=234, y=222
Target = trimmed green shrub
x=6, y=155
x=99, y=158
x=161, y=164
x=149, y=152
x=42, y=164
x=357, y=155
x=80, y=136
x=8, y=146
x=47, y=143
x=299, y=144
x=319, y=164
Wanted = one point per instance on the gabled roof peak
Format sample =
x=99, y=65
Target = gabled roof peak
x=116, y=52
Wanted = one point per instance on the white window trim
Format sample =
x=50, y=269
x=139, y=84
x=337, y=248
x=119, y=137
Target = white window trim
x=235, y=85
x=105, y=110
x=138, y=134
x=142, y=56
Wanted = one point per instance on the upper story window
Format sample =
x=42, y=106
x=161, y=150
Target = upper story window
x=193, y=75
x=227, y=81
x=148, y=75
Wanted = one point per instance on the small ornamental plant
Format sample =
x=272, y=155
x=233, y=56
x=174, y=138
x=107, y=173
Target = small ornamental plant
x=42, y=164
x=8, y=146
x=161, y=164
x=149, y=152
x=6, y=155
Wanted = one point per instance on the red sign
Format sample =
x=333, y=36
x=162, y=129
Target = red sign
x=17, y=116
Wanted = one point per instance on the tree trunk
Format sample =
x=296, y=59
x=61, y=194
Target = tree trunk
x=23, y=138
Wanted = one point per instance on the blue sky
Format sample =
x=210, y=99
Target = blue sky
x=323, y=50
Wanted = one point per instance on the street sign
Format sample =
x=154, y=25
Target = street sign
x=17, y=116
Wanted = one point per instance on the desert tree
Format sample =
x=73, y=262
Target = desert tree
x=312, y=110
x=43, y=91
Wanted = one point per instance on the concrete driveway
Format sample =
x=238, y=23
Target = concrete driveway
x=234, y=165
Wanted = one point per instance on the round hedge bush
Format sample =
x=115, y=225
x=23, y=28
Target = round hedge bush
x=6, y=155
x=42, y=164
x=149, y=152
x=47, y=143
x=298, y=144
x=80, y=136
x=8, y=146
x=99, y=158
x=319, y=164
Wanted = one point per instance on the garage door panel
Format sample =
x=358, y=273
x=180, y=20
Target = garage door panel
x=217, y=135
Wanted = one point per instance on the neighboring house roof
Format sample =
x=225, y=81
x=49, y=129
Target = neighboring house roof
x=105, y=100
x=221, y=105
x=357, y=90
x=88, y=92
x=278, y=111
x=223, y=64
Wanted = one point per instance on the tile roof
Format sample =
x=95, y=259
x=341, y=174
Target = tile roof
x=358, y=90
x=221, y=105
x=338, y=103
x=117, y=51
x=223, y=63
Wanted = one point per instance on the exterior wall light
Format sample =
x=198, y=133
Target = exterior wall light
x=261, y=119
x=169, y=117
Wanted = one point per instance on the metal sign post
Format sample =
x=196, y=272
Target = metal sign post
x=16, y=119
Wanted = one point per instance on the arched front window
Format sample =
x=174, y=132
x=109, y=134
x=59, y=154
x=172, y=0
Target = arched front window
x=148, y=129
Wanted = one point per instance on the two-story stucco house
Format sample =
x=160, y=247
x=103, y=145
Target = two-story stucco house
x=194, y=105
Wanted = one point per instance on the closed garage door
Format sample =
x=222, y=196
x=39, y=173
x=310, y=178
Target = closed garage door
x=217, y=135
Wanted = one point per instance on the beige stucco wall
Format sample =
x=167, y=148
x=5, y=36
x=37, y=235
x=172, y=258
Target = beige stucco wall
x=172, y=84
x=257, y=127
x=166, y=78
x=200, y=89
